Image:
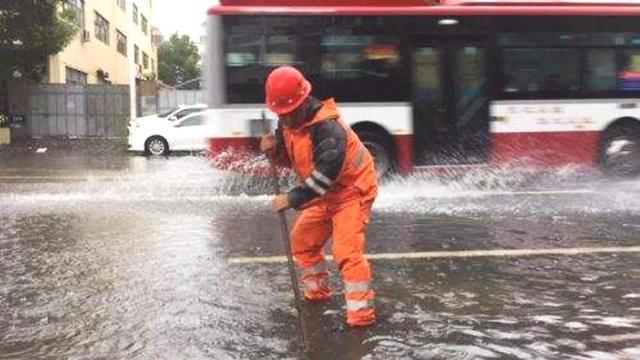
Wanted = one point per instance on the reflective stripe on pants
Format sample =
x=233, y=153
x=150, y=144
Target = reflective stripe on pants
x=315, y=281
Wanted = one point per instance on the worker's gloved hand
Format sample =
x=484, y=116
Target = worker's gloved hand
x=267, y=143
x=280, y=203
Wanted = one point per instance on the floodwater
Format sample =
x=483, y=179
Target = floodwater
x=136, y=258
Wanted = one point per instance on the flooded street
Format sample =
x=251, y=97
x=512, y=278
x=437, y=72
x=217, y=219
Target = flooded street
x=138, y=258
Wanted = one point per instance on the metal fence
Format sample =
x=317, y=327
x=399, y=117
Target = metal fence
x=169, y=99
x=78, y=110
x=93, y=110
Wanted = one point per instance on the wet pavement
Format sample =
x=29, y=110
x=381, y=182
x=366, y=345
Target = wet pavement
x=134, y=258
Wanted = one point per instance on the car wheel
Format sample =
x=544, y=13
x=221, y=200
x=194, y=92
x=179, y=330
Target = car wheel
x=156, y=146
x=380, y=148
x=620, y=151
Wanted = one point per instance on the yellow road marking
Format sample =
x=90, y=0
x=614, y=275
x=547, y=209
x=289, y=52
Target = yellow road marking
x=461, y=254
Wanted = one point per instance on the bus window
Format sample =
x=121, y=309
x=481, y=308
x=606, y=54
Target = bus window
x=253, y=46
x=536, y=39
x=600, y=74
x=429, y=108
x=243, y=52
x=541, y=70
x=470, y=94
x=279, y=50
x=362, y=67
x=469, y=80
x=629, y=76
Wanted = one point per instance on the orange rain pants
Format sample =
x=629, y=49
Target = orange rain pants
x=343, y=216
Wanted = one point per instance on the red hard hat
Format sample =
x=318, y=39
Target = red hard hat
x=286, y=88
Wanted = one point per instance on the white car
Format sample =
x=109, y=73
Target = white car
x=161, y=135
x=173, y=114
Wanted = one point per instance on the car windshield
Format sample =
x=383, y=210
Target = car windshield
x=167, y=113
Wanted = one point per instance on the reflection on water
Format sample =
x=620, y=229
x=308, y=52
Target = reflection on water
x=131, y=262
x=525, y=309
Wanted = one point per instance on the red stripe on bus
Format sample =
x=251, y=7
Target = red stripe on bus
x=239, y=144
x=237, y=155
x=545, y=149
x=537, y=150
x=404, y=153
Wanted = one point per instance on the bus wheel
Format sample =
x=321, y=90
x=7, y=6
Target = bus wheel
x=156, y=146
x=621, y=151
x=380, y=148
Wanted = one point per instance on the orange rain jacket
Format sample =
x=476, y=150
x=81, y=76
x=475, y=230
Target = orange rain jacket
x=327, y=156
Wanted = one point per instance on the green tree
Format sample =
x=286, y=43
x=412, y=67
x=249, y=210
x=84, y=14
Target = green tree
x=179, y=62
x=31, y=31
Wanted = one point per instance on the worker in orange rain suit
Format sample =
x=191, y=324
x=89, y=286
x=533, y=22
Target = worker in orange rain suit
x=338, y=187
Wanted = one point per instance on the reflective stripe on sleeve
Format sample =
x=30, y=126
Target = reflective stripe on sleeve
x=313, y=184
x=321, y=178
x=355, y=305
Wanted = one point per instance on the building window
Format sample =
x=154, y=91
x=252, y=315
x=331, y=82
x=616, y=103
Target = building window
x=135, y=14
x=122, y=4
x=77, y=7
x=153, y=65
x=102, y=29
x=145, y=60
x=75, y=77
x=121, y=43
x=136, y=54
x=144, y=24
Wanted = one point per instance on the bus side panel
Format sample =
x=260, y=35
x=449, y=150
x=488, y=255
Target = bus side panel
x=542, y=150
x=552, y=133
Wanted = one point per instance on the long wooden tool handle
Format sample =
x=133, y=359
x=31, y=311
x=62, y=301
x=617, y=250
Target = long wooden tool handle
x=303, y=337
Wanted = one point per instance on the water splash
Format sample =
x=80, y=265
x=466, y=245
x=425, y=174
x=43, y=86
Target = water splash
x=191, y=179
x=502, y=191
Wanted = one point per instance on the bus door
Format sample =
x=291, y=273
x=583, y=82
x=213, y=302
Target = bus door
x=450, y=101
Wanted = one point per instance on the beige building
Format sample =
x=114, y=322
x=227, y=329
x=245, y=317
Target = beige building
x=99, y=53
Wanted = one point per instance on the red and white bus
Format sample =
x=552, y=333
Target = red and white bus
x=433, y=83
